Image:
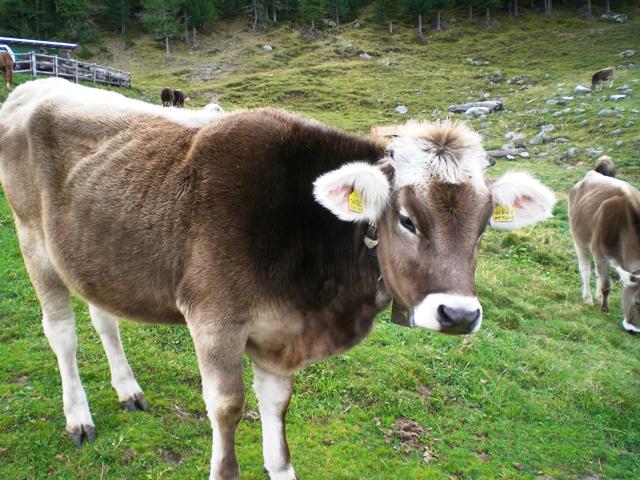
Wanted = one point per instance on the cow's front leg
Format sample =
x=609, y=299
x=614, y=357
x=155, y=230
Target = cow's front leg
x=219, y=347
x=274, y=393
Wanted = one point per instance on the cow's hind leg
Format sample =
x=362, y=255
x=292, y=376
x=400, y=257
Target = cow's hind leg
x=122, y=379
x=603, y=283
x=220, y=347
x=274, y=393
x=59, y=326
x=584, y=265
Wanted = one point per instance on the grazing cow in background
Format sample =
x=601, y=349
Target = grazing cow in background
x=604, y=216
x=6, y=64
x=605, y=166
x=602, y=76
x=167, y=97
x=256, y=229
x=178, y=99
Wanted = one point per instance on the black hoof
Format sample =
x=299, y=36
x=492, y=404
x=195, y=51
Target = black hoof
x=137, y=402
x=84, y=433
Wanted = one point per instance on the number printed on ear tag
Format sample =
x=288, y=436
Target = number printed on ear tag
x=355, y=202
x=504, y=213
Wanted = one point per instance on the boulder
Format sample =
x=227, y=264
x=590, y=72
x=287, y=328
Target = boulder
x=365, y=56
x=581, y=90
x=617, y=97
x=540, y=138
x=627, y=53
x=267, y=48
x=477, y=111
x=605, y=112
x=401, y=109
x=490, y=105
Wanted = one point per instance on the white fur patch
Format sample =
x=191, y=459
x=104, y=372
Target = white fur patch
x=425, y=314
x=448, y=151
x=628, y=327
x=627, y=279
x=332, y=189
x=96, y=102
x=532, y=201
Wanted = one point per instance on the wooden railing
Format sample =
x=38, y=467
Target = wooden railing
x=40, y=64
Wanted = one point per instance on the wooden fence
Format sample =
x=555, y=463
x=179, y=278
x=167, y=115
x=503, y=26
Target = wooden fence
x=40, y=64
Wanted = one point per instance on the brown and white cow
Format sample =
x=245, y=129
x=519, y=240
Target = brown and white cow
x=6, y=65
x=604, y=216
x=250, y=228
x=606, y=74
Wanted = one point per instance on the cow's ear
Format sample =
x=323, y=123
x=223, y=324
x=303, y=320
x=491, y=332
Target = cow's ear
x=520, y=200
x=628, y=279
x=355, y=192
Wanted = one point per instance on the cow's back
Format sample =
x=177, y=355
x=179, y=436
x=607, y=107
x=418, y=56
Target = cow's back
x=596, y=206
x=107, y=186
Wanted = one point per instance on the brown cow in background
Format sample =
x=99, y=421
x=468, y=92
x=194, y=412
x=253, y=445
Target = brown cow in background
x=6, y=64
x=167, y=97
x=602, y=76
x=604, y=216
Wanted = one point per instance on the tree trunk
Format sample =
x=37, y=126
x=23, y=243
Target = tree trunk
x=194, y=38
x=608, y=6
x=589, y=12
x=509, y=9
x=420, y=24
x=123, y=28
x=438, y=23
x=390, y=28
x=337, y=18
x=313, y=24
x=531, y=4
x=166, y=43
x=488, y=18
x=255, y=15
x=515, y=8
x=470, y=12
x=186, y=30
x=275, y=16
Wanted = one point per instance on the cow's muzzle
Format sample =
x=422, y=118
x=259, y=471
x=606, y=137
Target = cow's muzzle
x=447, y=313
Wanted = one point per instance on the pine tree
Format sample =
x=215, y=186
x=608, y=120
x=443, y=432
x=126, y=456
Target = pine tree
x=338, y=9
x=311, y=10
x=438, y=6
x=417, y=8
x=161, y=17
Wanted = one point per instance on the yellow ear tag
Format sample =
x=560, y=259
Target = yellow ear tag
x=504, y=213
x=355, y=202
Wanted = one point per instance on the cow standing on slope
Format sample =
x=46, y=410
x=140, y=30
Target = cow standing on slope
x=602, y=76
x=251, y=228
x=6, y=64
x=166, y=95
x=604, y=216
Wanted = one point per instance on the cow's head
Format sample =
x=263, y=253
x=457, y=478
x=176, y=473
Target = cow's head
x=431, y=204
x=630, y=300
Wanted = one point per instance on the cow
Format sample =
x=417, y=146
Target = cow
x=178, y=99
x=602, y=76
x=264, y=232
x=166, y=95
x=604, y=217
x=6, y=64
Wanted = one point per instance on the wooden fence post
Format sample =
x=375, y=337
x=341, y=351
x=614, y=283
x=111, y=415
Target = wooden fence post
x=55, y=65
x=75, y=70
x=93, y=72
x=34, y=65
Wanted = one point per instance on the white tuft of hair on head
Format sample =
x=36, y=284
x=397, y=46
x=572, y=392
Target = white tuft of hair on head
x=448, y=151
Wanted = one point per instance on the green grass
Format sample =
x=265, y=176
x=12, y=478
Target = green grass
x=549, y=388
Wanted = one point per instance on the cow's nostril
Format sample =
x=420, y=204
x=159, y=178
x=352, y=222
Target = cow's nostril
x=457, y=318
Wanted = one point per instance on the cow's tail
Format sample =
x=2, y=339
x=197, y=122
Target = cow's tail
x=605, y=166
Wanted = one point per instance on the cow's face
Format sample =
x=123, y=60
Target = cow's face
x=631, y=305
x=430, y=203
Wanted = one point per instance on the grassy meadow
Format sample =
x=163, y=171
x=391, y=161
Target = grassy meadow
x=548, y=389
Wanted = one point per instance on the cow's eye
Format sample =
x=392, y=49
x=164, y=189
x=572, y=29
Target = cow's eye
x=407, y=223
